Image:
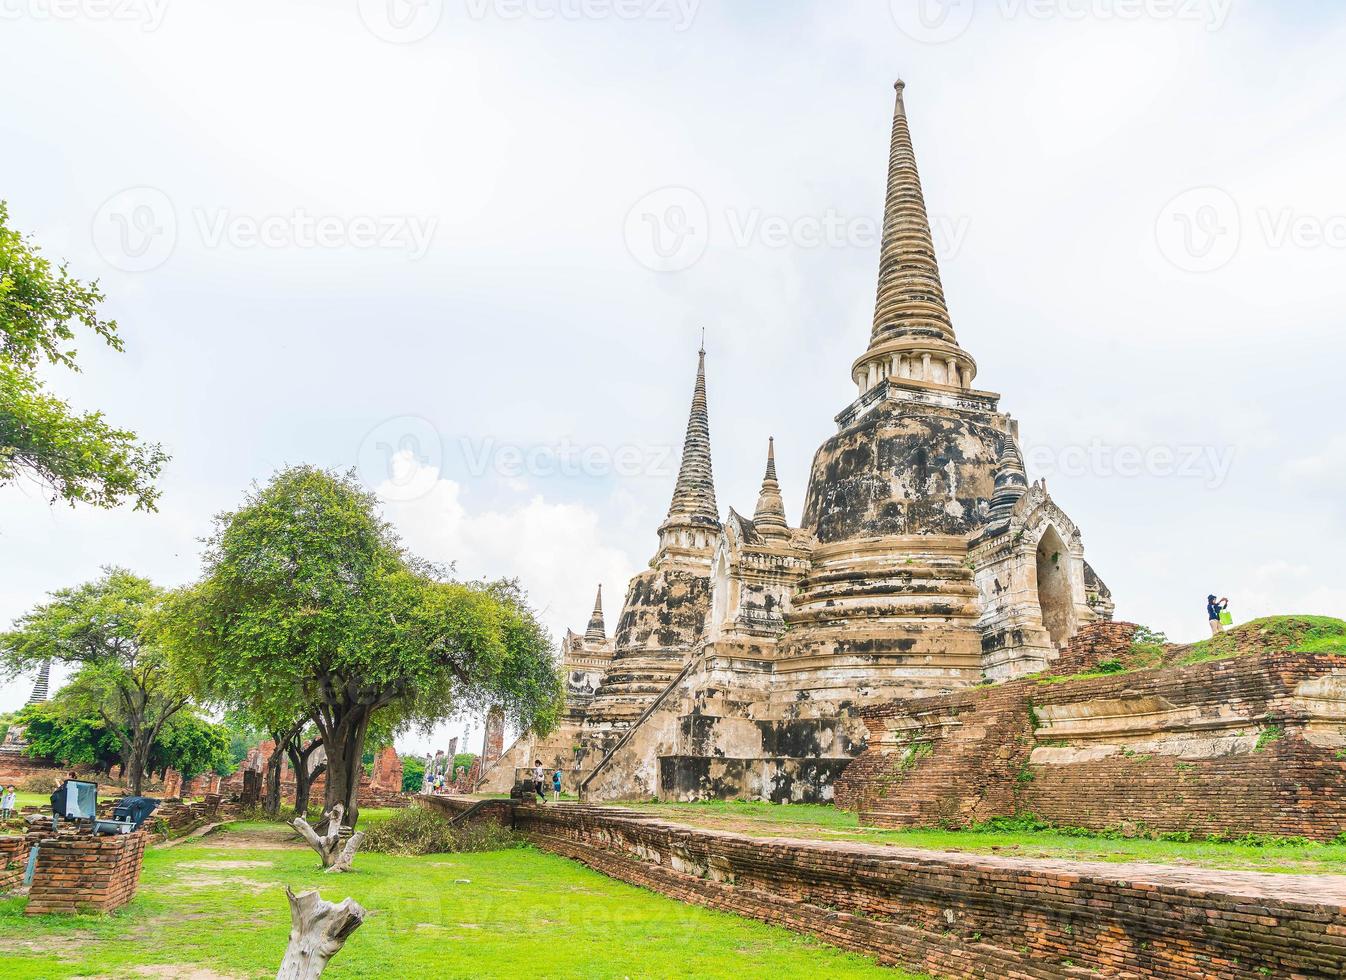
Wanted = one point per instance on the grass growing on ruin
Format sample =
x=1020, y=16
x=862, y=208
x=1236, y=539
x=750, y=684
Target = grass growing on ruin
x=1307, y=634
x=1013, y=838
x=219, y=904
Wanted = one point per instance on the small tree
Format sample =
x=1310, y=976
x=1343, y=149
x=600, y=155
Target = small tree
x=310, y=605
x=75, y=457
x=191, y=745
x=105, y=629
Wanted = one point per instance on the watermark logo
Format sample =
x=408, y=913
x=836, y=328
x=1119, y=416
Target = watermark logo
x=932, y=21
x=668, y=230
x=135, y=230
x=402, y=458
x=401, y=21
x=1200, y=229
x=678, y=13
x=149, y=14
x=941, y=21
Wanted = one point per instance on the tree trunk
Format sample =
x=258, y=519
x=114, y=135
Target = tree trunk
x=345, y=745
x=271, y=802
x=328, y=845
x=304, y=777
x=135, y=767
x=318, y=930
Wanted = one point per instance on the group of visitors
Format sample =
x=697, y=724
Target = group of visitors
x=7, y=802
x=540, y=782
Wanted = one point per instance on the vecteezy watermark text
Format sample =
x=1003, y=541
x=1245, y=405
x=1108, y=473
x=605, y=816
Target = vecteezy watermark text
x=669, y=230
x=409, y=21
x=1203, y=228
x=149, y=14
x=137, y=229
x=483, y=457
x=940, y=21
x=1209, y=464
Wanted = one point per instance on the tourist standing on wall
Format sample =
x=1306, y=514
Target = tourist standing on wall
x=539, y=781
x=1214, y=608
x=556, y=785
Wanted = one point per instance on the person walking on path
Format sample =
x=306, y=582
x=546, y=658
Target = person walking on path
x=539, y=781
x=1213, y=609
x=556, y=785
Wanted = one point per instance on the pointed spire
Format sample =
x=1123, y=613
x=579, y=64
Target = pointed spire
x=40, y=687
x=910, y=297
x=1011, y=482
x=694, y=495
x=769, y=518
x=596, y=633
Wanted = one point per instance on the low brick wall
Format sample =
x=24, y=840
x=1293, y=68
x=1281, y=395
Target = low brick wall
x=13, y=858
x=958, y=915
x=79, y=874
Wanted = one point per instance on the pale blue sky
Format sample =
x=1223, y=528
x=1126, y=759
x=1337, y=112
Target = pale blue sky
x=1059, y=143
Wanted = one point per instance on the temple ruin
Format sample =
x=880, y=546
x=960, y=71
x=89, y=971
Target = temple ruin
x=925, y=562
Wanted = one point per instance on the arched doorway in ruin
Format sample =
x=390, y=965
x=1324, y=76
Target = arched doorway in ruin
x=1054, y=587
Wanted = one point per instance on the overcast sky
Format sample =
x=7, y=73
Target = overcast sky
x=468, y=247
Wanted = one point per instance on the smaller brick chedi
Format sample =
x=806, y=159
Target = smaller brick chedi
x=924, y=563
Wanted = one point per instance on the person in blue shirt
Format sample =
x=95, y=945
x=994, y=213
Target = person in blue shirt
x=1213, y=609
x=556, y=784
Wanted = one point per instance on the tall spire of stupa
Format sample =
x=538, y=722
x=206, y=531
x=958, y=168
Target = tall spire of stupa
x=694, y=495
x=596, y=632
x=769, y=518
x=41, y=686
x=910, y=297
x=912, y=339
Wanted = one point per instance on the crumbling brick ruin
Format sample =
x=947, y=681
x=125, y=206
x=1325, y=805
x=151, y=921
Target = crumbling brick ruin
x=925, y=561
x=85, y=874
x=1246, y=745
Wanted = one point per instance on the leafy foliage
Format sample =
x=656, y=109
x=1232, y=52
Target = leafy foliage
x=310, y=606
x=421, y=830
x=105, y=628
x=67, y=737
x=192, y=745
x=76, y=457
x=413, y=773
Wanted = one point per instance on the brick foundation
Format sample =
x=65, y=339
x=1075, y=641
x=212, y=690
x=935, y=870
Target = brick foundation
x=1248, y=745
x=86, y=874
x=958, y=915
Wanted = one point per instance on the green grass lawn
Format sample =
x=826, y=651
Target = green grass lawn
x=219, y=904
x=828, y=823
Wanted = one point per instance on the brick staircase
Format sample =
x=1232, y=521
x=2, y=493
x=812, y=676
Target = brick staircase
x=945, y=761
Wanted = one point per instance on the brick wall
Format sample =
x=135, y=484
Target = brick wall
x=1247, y=745
x=76, y=874
x=1094, y=643
x=958, y=915
x=13, y=857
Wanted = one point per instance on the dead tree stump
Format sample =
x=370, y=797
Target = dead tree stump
x=328, y=845
x=318, y=930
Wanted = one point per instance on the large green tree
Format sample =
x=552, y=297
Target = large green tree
x=70, y=738
x=310, y=604
x=106, y=629
x=76, y=457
